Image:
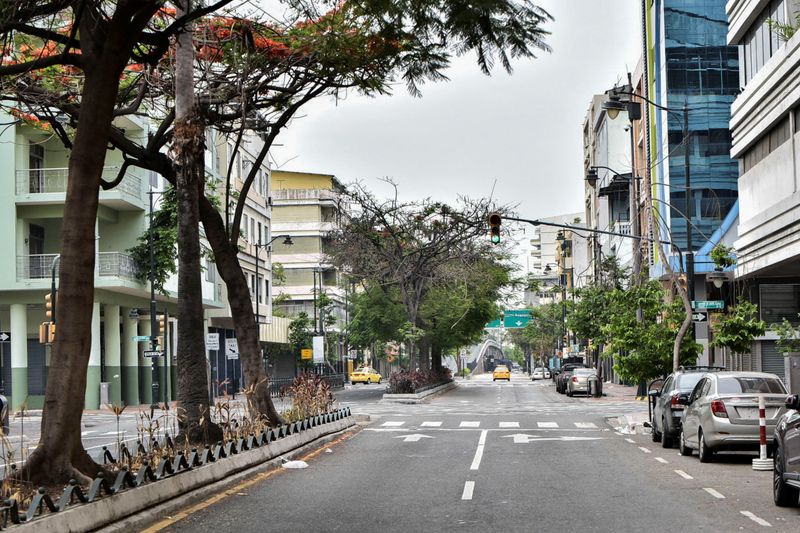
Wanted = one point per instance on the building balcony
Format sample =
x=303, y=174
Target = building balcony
x=108, y=265
x=49, y=186
x=288, y=196
x=623, y=228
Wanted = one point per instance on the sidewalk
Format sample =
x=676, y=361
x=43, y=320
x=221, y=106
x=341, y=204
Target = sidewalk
x=620, y=392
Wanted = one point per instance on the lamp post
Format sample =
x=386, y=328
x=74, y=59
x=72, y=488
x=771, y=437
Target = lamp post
x=613, y=106
x=155, y=388
x=287, y=241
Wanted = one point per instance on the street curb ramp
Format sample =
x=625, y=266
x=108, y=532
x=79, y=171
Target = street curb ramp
x=419, y=397
x=105, y=511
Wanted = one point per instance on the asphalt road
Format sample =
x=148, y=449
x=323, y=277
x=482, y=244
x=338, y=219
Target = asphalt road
x=498, y=457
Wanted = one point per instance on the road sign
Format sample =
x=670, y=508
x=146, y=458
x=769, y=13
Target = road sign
x=5, y=336
x=318, y=344
x=141, y=338
x=699, y=317
x=708, y=304
x=306, y=353
x=152, y=353
x=231, y=349
x=212, y=341
x=512, y=319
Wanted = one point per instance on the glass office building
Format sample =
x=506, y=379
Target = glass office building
x=691, y=64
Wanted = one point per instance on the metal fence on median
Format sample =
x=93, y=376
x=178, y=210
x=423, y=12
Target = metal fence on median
x=276, y=385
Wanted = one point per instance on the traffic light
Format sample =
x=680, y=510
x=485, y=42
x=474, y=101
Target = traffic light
x=47, y=333
x=163, y=321
x=51, y=333
x=50, y=306
x=494, y=227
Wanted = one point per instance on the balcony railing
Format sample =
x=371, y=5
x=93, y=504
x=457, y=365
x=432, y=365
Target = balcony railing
x=54, y=180
x=622, y=227
x=304, y=194
x=109, y=264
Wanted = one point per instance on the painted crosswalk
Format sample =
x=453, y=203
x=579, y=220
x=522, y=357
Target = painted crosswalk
x=504, y=424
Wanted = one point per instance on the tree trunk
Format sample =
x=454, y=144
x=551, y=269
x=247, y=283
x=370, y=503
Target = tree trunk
x=687, y=306
x=436, y=358
x=424, y=353
x=60, y=455
x=227, y=261
x=188, y=149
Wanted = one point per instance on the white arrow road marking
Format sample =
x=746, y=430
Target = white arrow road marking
x=714, y=493
x=547, y=424
x=509, y=424
x=414, y=437
x=476, y=462
x=392, y=424
x=757, y=520
x=469, y=487
x=431, y=424
x=524, y=438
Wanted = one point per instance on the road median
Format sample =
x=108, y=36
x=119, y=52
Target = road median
x=420, y=396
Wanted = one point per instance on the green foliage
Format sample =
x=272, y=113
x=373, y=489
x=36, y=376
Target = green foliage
x=300, y=333
x=165, y=240
x=278, y=274
x=589, y=312
x=788, y=336
x=722, y=256
x=377, y=316
x=516, y=355
x=738, y=328
x=785, y=31
x=643, y=348
x=544, y=329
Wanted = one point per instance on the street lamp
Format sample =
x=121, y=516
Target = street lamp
x=287, y=241
x=612, y=107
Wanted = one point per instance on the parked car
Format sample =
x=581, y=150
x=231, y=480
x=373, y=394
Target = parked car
x=501, y=372
x=667, y=410
x=564, y=373
x=579, y=380
x=722, y=412
x=786, y=455
x=365, y=375
x=540, y=373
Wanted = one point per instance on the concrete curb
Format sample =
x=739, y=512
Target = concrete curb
x=173, y=492
x=420, y=396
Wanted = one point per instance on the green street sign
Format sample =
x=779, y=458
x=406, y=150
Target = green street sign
x=708, y=304
x=512, y=319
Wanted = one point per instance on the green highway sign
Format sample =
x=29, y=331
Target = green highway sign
x=708, y=304
x=512, y=318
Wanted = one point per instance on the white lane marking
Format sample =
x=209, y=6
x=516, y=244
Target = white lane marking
x=683, y=474
x=509, y=424
x=469, y=424
x=414, y=438
x=427, y=424
x=714, y=493
x=585, y=425
x=392, y=424
x=661, y=460
x=469, y=487
x=645, y=450
x=757, y=520
x=631, y=441
x=547, y=424
x=476, y=462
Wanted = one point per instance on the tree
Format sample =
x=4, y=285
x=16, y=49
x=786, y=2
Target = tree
x=300, y=335
x=404, y=245
x=642, y=345
x=739, y=327
x=97, y=39
x=545, y=328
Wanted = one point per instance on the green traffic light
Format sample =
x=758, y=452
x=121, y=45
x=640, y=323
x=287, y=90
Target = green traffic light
x=495, y=239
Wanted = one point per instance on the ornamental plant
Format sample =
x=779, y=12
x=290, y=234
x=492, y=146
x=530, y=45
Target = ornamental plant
x=788, y=336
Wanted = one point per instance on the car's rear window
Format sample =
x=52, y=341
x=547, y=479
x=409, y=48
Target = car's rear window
x=501, y=369
x=750, y=384
x=686, y=382
x=584, y=371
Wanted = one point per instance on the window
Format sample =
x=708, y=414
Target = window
x=260, y=292
x=260, y=238
x=253, y=287
x=244, y=226
x=774, y=138
x=211, y=273
x=761, y=41
x=779, y=302
x=754, y=385
x=36, y=167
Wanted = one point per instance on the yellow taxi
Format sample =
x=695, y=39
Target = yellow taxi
x=501, y=372
x=365, y=375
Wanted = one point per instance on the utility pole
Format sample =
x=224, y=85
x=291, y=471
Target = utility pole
x=636, y=227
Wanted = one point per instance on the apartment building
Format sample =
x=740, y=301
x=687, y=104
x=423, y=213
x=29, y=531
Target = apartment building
x=306, y=207
x=765, y=123
x=33, y=196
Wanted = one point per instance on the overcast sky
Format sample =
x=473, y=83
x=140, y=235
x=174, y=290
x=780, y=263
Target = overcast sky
x=523, y=130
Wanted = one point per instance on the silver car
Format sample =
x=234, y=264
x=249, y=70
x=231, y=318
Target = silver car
x=722, y=412
x=579, y=380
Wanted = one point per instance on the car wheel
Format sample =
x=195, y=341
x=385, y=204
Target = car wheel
x=379, y=380
x=569, y=394
x=683, y=449
x=666, y=440
x=783, y=494
x=705, y=454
